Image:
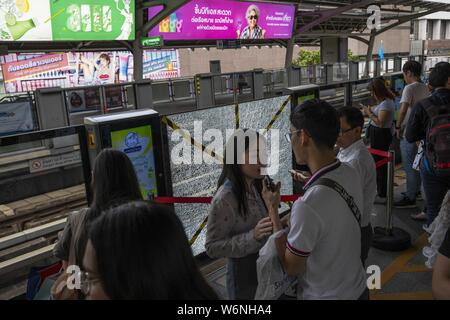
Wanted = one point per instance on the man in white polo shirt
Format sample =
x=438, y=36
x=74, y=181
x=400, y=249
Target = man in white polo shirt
x=354, y=152
x=323, y=244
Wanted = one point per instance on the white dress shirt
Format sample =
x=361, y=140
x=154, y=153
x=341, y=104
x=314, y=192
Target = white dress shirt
x=359, y=158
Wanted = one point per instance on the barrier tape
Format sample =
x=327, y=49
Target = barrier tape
x=275, y=117
x=381, y=163
x=173, y=200
x=380, y=153
x=207, y=200
x=190, y=139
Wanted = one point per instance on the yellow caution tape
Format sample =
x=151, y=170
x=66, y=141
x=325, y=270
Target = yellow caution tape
x=189, y=138
x=275, y=117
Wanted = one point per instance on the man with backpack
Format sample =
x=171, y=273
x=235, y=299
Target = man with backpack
x=430, y=121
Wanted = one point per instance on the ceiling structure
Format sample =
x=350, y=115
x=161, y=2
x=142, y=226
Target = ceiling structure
x=315, y=19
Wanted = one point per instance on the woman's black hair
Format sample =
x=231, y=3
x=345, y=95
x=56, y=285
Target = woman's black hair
x=233, y=173
x=114, y=181
x=142, y=252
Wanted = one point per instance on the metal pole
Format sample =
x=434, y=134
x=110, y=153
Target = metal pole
x=390, y=192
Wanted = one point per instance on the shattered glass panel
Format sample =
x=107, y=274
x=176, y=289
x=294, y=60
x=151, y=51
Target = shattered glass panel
x=200, y=179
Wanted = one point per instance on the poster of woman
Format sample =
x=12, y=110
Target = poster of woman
x=252, y=30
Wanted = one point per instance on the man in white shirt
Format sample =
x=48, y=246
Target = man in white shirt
x=323, y=244
x=354, y=152
x=413, y=92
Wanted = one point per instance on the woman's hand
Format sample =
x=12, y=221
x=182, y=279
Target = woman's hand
x=271, y=198
x=367, y=111
x=263, y=229
x=238, y=33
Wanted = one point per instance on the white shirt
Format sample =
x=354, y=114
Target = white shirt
x=359, y=158
x=413, y=93
x=324, y=229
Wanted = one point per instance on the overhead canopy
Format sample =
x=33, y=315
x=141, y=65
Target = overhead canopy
x=314, y=19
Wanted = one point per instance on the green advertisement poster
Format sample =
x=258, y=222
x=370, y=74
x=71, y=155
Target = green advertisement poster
x=67, y=20
x=137, y=143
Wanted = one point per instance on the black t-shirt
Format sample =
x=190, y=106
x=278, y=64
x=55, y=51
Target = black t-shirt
x=445, y=247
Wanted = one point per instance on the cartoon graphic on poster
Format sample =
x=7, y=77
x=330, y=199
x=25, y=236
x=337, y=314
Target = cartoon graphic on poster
x=137, y=143
x=66, y=20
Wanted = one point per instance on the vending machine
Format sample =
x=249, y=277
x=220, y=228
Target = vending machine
x=303, y=93
x=139, y=135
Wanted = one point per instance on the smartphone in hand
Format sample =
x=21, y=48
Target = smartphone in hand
x=268, y=181
x=302, y=174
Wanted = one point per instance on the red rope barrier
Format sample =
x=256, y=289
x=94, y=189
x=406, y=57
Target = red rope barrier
x=172, y=200
x=381, y=163
x=380, y=153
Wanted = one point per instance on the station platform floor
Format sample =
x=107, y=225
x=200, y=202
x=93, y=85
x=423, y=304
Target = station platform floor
x=404, y=275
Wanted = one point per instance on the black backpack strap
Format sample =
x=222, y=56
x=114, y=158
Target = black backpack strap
x=343, y=193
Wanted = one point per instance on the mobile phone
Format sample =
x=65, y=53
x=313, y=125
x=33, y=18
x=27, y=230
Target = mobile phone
x=361, y=106
x=269, y=183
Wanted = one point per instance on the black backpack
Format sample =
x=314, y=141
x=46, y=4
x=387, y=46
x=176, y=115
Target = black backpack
x=438, y=139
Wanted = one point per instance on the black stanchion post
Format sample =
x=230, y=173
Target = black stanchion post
x=390, y=238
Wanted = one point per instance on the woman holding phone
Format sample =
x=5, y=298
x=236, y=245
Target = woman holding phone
x=381, y=128
x=239, y=224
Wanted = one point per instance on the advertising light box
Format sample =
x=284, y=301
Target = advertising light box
x=226, y=20
x=66, y=20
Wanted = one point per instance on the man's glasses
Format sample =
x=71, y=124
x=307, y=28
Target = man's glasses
x=255, y=17
x=288, y=135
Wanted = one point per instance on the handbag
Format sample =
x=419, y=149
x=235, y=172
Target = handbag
x=60, y=289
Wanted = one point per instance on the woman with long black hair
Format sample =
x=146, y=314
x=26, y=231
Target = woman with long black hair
x=140, y=251
x=239, y=224
x=113, y=182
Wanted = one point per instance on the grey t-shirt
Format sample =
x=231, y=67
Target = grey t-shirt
x=389, y=106
x=412, y=94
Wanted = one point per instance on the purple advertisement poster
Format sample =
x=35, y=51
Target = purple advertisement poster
x=226, y=20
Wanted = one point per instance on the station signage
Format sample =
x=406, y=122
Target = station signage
x=226, y=20
x=67, y=20
x=152, y=42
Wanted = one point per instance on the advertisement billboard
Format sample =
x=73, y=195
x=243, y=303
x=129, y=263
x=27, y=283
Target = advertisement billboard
x=16, y=117
x=28, y=72
x=137, y=143
x=224, y=20
x=67, y=20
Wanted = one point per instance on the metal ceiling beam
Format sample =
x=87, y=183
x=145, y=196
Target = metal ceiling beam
x=326, y=15
x=405, y=19
x=361, y=39
x=169, y=7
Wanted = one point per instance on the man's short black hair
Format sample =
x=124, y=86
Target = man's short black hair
x=439, y=75
x=353, y=116
x=414, y=67
x=320, y=121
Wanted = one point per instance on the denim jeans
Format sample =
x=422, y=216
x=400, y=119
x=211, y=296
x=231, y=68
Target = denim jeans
x=413, y=181
x=435, y=188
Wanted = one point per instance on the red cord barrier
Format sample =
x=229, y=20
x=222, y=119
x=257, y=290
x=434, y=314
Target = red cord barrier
x=380, y=153
x=172, y=200
x=381, y=163
x=387, y=157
